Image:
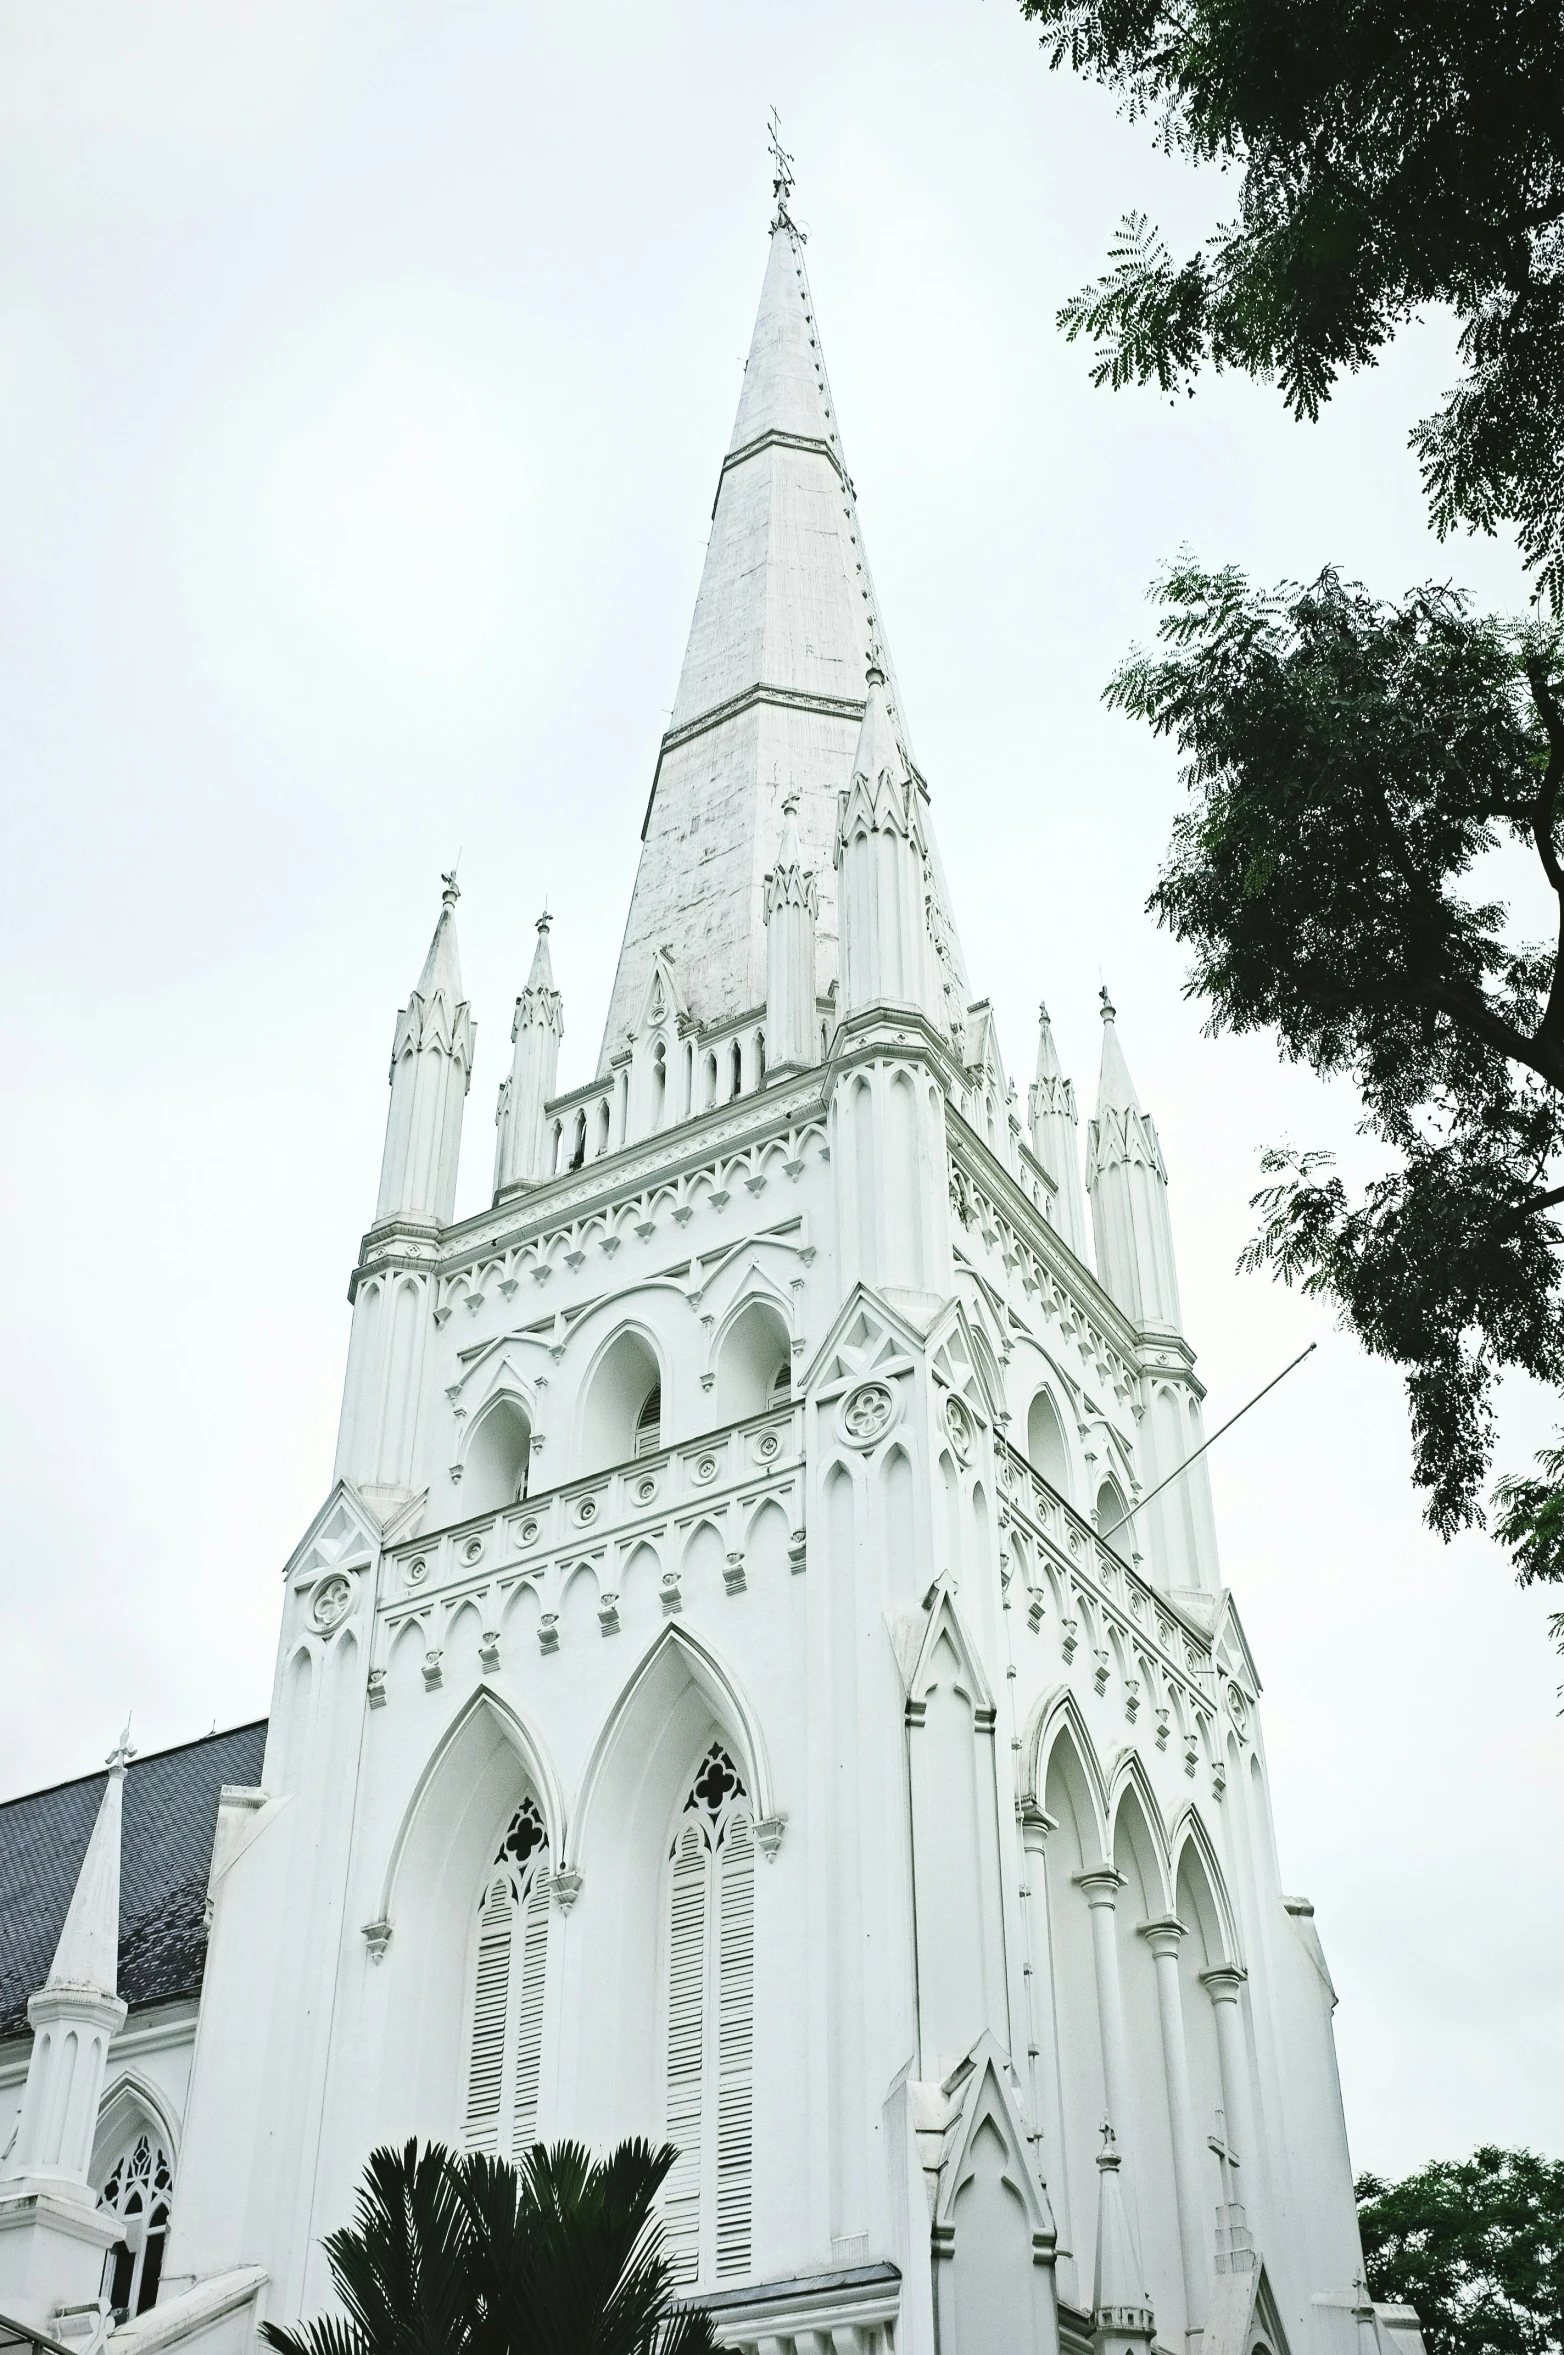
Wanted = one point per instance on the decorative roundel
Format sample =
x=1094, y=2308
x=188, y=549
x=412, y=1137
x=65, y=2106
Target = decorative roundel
x=768, y=1445
x=1237, y=1705
x=417, y=1570
x=706, y=1469
x=866, y=1412
x=645, y=1490
x=586, y=1510
x=333, y=1601
x=472, y=1549
x=526, y=1533
x=959, y=1424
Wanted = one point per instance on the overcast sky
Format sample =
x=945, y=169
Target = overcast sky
x=364, y=375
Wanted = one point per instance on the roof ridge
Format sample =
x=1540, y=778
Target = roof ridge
x=73, y=1782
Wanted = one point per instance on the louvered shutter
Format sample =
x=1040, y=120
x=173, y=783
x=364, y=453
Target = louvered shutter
x=529, y=2012
x=686, y=2051
x=735, y=2044
x=486, y=2056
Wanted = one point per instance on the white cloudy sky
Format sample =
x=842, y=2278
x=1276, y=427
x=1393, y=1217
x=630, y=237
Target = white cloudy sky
x=364, y=373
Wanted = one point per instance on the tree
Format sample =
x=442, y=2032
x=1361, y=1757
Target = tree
x=1349, y=762
x=559, y=2255
x=1477, y=2246
x=1392, y=157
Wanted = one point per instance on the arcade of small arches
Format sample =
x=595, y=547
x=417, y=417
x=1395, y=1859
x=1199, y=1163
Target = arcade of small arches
x=1143, y=1969
x=620, y=1415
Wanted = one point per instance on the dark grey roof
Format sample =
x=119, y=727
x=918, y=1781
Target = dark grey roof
x=165, y=1855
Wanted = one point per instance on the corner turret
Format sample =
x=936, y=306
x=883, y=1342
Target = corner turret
x=52, y=2235
x=431, y=1069
x=1051, y=1116
x=1127, y=1184
x=538, y=1027
x=880, y=852
x=792, y=906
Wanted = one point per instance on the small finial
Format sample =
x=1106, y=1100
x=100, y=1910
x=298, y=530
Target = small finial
x=781, y=170
x=451, y=894
x=790, y=802
x=1108, y=2156
x=544, y=921
x=1042, y=1010
x=874, y=674
x=122, y=1753
x=1108, y=1008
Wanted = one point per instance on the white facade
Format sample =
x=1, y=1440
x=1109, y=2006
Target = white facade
x=706, y=1703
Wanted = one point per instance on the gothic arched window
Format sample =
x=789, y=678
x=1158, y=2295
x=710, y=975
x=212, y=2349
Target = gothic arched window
x=505, y=2040
x=649, y=1422
x=710, y=1965
x=136, y=2191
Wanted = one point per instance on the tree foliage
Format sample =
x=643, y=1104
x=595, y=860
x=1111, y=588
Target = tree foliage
x=1477, y=2246
x=560, y=2255
x=1350, y=764
x=1393, y=157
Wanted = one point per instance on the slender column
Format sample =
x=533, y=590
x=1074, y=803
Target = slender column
x=1163, y=1939
x=1101, y=1891
x=1225, y=1986
x=1042, y=2014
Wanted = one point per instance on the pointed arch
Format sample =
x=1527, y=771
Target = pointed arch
x=624, y=1371
x=1192, y=1845
x=1129, y=1783
x=1057, y=1717
x=131, y=2100
x=725, y=1697
x=494, y=1451
x=752, y=1347
x=530, y=1749
x=946, y=1623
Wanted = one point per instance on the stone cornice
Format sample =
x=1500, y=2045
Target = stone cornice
x=814, y=444
x=831, y=707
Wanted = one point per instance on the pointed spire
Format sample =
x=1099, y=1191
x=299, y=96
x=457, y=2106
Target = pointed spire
x=786, y=617
x=1127, y=1185
x=75, y=2013
x=442, y=967
x=792, y=905
x=1052, y=1117
x=1115, y=1088
x=431, y=1069
x=1122, y=2317
x=536, y=1030
x=887, y=955
x=87, y=1955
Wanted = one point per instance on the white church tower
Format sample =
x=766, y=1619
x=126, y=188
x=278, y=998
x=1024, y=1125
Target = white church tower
x=730, y=1692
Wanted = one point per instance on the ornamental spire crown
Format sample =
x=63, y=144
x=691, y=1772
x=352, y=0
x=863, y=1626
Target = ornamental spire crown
x=772, y=688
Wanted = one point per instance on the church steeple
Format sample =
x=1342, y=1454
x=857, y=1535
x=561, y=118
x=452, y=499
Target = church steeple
x=536, y=1031
x=771, y=694
x=1127, y=1183
x=1051, y=1115
x=431, y=1068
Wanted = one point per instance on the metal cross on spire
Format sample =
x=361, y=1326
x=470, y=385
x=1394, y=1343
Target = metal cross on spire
x=782, y=171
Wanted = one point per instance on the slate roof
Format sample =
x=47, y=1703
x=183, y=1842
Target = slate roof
x=165, y=1855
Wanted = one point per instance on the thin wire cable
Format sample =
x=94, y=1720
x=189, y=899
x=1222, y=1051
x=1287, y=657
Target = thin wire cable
x=1125, y=1518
